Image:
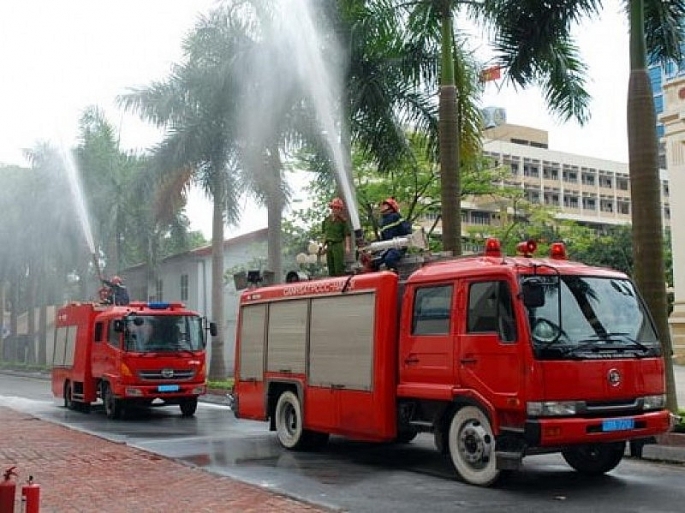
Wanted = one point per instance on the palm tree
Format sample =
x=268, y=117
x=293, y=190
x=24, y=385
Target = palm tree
x=196, y=107
x=663, y=22
x=534, y=45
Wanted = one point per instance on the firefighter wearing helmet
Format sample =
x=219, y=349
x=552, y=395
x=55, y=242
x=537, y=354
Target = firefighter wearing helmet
x=336, y=235
x=115, y=292
x=392, y=225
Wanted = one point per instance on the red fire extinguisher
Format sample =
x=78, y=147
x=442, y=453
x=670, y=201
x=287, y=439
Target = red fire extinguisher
x=30, y=497
x=7, y=490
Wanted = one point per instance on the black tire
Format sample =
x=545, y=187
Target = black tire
x=288, y=417
x=595, y=459
x=68, y=397
x=188, y=407
x=113, y=406
x=289, y=429
x=471, y=446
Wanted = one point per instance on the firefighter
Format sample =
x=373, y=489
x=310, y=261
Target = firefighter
x=337, y=238
x=392, y=225
x=117, y=295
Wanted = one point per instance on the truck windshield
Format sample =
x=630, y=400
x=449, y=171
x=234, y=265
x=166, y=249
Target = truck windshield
x=591, y=317
x=163, y=333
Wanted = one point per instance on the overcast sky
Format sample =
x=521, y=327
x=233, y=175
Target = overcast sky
x=58, y=57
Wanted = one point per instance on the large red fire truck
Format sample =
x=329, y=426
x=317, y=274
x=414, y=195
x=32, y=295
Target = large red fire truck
x=141, y=354
x=498, y=357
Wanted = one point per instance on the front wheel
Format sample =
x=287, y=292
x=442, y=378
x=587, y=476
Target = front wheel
x=113, y=406
x=472, y=446
x=595, y=459
x=188, y=407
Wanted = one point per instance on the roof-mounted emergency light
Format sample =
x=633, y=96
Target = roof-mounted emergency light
x=557, y=251
x=527, y=248
x=493, y=247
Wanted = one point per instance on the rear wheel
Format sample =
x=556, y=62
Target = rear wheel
x=595, y=459
x=288, y=418
x=188, y=406
x=113, y=406
x=472, y=446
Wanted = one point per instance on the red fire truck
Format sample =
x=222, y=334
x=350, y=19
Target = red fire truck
x=497, y=357
x=141, y=354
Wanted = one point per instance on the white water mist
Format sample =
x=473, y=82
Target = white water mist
x=302, y=54
x=78, y=197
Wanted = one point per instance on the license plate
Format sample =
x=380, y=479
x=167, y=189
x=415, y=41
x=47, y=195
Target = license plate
x=167, y=388
x=618, y=424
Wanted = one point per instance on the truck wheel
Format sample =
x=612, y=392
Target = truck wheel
x=595, y=459
x=188, y=407
x=472, y=446
x=112, y=404
x=288, y=418
x=68, y=397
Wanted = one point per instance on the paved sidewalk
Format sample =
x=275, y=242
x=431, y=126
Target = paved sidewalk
x=78, y=472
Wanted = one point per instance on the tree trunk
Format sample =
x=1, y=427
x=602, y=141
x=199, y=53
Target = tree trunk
x=449, y=143
x=645, y=190
x=217, y=365
x=275, y=213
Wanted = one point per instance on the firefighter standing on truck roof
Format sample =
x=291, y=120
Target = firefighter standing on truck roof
x=118, y=295
x=392, y=225
x=336, y=234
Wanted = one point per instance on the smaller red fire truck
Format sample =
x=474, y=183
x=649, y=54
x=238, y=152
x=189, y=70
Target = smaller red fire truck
x=141, y=354
x=497, y=357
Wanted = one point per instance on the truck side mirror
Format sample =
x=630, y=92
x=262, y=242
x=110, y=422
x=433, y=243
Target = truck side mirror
x=213, y=329
x=533, y=293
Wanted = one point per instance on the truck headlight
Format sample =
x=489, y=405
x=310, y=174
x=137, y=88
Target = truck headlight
x=552, y=408
x=654, y=402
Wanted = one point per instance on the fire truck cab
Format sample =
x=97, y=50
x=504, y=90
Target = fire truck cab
x=497, y=357
x=141, y=354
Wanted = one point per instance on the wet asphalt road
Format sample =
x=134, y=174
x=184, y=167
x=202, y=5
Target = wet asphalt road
x=350, y=476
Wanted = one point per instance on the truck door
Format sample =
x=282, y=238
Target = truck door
x=427, y=347
x=490, y=355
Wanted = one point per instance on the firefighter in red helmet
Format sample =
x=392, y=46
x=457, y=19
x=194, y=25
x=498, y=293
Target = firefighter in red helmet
x=392, y=225
x=117, y=295
x=336, y=234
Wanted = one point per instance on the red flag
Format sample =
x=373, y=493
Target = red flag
x=491, y=73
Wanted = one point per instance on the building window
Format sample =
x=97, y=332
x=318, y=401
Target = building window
x=514, y=168
x=549, y=173
x=552, y=199
x=571, y=201
x=589, y=203
x=184, y=287
x=623, y=207
x=531, y=171
x=605, y=182
x=588, y=179
x=570, y=176
x=532, y=196
x=622, y=184
x=480, y=218
x=606, y=206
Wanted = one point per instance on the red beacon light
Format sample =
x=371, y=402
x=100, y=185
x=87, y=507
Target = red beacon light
x=493, y=248
x=527, y=248
x=557, y=251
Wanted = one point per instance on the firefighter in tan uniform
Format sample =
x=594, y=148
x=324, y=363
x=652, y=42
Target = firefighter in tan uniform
x=336, y=234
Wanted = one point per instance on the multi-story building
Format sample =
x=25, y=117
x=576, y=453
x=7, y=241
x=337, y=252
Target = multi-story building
x=591, y=191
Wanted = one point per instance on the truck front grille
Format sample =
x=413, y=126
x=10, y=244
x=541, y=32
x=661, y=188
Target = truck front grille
x=166, y=374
